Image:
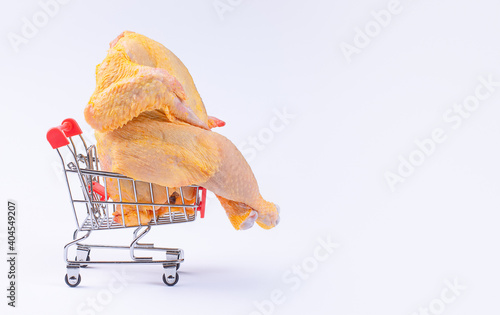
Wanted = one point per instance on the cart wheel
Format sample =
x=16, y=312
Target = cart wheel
x=171, y=281
x=83, y=266
x=71, y=284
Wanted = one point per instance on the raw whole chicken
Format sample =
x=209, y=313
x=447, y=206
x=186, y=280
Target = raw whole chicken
x=151, y=125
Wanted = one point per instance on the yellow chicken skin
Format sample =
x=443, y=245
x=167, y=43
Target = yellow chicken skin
x=138, y=75
x=151, y=125
x=149, y=148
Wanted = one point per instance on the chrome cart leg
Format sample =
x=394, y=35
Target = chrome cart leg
x=82, y=254
x=137, y=238
x=135, y=244
x=180, y=258
x=72, y=277
x=75, y=241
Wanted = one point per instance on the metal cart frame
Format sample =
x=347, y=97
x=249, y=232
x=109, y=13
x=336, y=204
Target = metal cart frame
x=93, y=209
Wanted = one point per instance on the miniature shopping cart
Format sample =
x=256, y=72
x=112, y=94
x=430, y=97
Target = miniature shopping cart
x=93, y=209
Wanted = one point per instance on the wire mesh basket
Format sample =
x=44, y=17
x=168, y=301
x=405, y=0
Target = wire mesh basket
x=103, y=200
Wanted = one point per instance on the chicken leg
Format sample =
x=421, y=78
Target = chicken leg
x=151, y=149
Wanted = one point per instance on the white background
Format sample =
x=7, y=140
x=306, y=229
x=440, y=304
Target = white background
x=325, y=169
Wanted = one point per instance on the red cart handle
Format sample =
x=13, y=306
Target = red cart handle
x=58, y=136
x=201, y=207
x=99, y=190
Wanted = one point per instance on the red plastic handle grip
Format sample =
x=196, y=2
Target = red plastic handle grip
x=70, y=127
x=99, y=190
x=57, y=136
x=203, y=200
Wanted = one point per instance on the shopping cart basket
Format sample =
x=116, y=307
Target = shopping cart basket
x=89, y=192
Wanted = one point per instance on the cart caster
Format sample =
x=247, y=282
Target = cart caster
x=175, y=256
x=83, y=266
x=72, y=281
x=171, y=280
x=82, y=254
